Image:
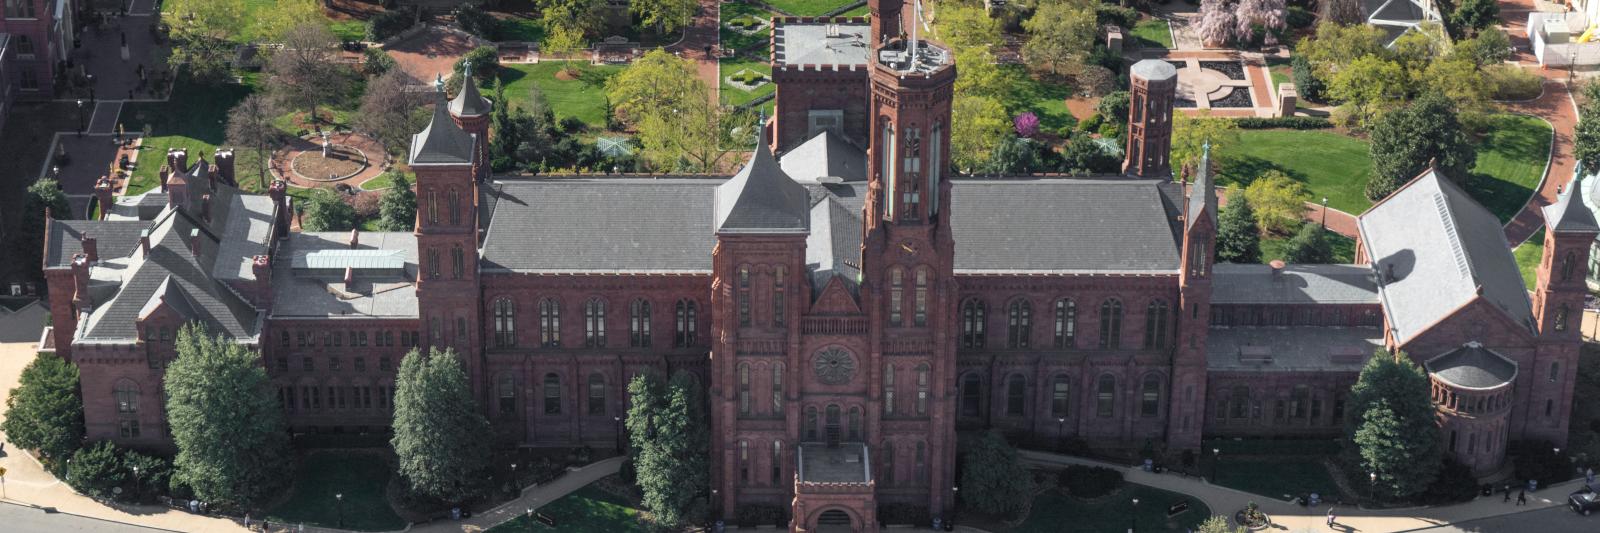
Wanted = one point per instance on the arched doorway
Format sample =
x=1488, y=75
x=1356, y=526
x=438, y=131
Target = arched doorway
x=834, y=521
x=832, y=430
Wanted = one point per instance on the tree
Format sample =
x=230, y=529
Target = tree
x=1238, y=237
x=201, y=33
x=1113, y=107
x=474, y=20
x=1404, y=141
x=994, y=479
x=1085, y=155
x=1344, y=12
x=967, y=26
x=43, y=194
x=1335, y=46
x=655, y=83
x=274, y=24
x=1309, y=246
x=1060, y=34
x=95, y=469
x=679, y=127
x=326, y=212
x=397, y=210
x=977, y=126
x=563, y=41
x=232, y=444
x=1369, y=85
x=250, y=125
x=305, y=74
x=1015, y=155
x=1219, y=524
x=390, y=111
x=666, y=16
x=1278, y=201
x=1400, y=448
x=1460, y=81
x=1190, y=134
x=583, y=16
x=485, y=62
x=1218, y=18
x=440, y=438
x=1586, y=138
x=44, y=412
x=981, y=75
x=666, y=428
x=1472, y=16
x=1489, y=47
x=1236, y=21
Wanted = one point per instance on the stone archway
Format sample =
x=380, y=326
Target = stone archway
x=834, y=521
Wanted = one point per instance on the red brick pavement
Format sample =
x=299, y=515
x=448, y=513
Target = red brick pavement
x=1555, y=106
x=703, y=32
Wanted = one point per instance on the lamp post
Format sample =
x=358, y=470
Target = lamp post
x=1133, y=517
x=339, y=502
x=618, y=420
x=1324, y=212
x=514, y=481
x=1060, y=422
x=136, y=489
x=1216, y=459
x=1372, y=484
x=530, y=517
x=80, y=117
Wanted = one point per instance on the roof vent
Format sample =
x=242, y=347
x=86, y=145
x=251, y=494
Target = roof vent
x=1277, y=269
x=830, y=180
x=833, y=30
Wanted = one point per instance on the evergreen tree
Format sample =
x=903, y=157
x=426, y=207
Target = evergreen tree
x=30, y=234
x=1586, y=140
x=1310, y=245
x=1391, y=425
x=667, y=428
x=228, y=428
x=327, y=212
x=1238, y=237
x=1405, y=140
x=994, y=479
x=1472, y=16
x=1306, y=82
x=44, y=412
x=397, y=209
x=440, y=438
x=95, y=469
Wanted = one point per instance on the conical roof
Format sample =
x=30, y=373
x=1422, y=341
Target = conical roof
x=1569, y=214
x=468, y=102
x=1202, y=195
x=442, y=142
x=762, y=198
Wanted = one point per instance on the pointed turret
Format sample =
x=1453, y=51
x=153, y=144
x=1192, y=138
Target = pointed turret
x=443, y=142
x=762, y=198
x=1568, y=214
x=1203, y=194
x=468, y=102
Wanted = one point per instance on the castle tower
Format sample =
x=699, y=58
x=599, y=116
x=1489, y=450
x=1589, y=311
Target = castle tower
x=1558, y=295
x=1185, y=416
x=470, y=111
x=442, y=156
x=1153, y=84
x=885, y=21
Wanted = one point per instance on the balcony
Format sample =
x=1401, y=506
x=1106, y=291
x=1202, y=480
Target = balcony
x=846, y=468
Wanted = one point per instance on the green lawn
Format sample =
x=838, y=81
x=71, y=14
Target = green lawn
x=1281, y=70
x=349, y=30
x=732, y=95
x=1511, y=161
x=194, y=118
x=584, y=97
x=809, y=8
x=589, y=510
x=862, y=11
x=1152, y=33
x=1047, y=100
x=1052, y=511
x=1344, y=248
x=383, y=181
x=521, y=28
x=1528, y=255
x=1279, y=478
x=757, y=43
x=359, y=477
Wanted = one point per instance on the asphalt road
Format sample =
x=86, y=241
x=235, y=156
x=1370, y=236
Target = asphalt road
x=24, y=519
x=1552, y=520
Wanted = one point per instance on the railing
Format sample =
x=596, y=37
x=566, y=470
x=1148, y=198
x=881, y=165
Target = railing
x=834, y=326
x=758, y=347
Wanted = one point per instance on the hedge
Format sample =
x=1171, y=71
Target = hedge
x=1089, y=482
x=388, y=24
x=1292, y=123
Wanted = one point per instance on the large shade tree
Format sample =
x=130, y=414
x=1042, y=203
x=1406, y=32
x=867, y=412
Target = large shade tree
x=1238, y=236
x=250, y=126
x=440, y=438
x=305, y=73
x=667, y=430
x=227, y=426
x=1407, y=140
x=993, y=476
x=44, y=412
x=1391, y=425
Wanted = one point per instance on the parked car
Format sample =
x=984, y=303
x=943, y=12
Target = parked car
x=1585, y=501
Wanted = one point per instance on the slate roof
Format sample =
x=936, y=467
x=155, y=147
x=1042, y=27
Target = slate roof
x=1202, y=195
x=246, y=220
x=442, y=142
x=811, y=44
x=1434, y=248
x=556, y=225
x=142, y=207
x=1472, y=366
x=825, y=155
x=170, y=294
x=1155, y=69
x=1291, y=349
x=385, y=278
x=762, y=199
x=1065, y=225
x=1569, y=214
x=112, y=239
x=834, y=246
x=468, y=102
x=1297, y=284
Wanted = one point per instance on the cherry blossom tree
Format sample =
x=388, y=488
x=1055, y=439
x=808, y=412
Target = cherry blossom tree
x=1234, y=21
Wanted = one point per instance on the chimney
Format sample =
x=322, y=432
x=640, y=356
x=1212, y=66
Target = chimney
x=178, y=159
x=279, y=192
x=355, y=238
x=223, y=163
x=102, y=195
x=144, y=242
x=1388, y=272
x=205, y=207
x=80, y=283
x=261, y=267
x=177, y=190
x=1277, y=269
x=164, y=173
x=89, y=247
x=349, y=278
x=194, y=243
x=211, y=174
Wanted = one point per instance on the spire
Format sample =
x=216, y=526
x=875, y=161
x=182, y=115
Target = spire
x=1568, y=214
x=468, y=102
x=1202, y=194
x=442, y=142
x=762, y=198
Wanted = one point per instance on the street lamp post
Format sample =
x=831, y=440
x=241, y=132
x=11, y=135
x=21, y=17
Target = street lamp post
x=339, y=501
x=514, y=481
x=136, y=489
x=80, y=117
x=1324, y=212
x=1216, y=460
x=618, y=420
x=1060, y=422
x=1372, y=484
x=1133, y=517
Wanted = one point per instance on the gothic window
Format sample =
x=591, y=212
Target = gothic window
x=20, y=9
x=684, y=329
x=505, y=323
x=744, y=462
x=597, y=394
x=972, y=317
x=1298, y=397
x=455, y=207
x=811, y=423
x=1019, y=324
x=935, y=166
x=594, y=323
x=777, y=462
x=549, y=323
x=1066, y=323
x=433, y=206
x=1111, y=324
x=896, y=294
x=1155, y=325
x=744, y=389
x=777, y=388
x=508, y=394
x=1150, y=396
x=1197, y=259
x=552, y=394
x=1567, y=264
x=1105, y=396
x=1561, y=318
x=458, y=263
x=888, y=463
x=913, y=166
x=1060, y=396
x=1555, y=371
x=855, y=424
x=743, y=295
x=888, y=170
x=639, y=323
x=778, y=315
x=127, y=393
x=919, y=304
x=971, y=395
x=888, y=390
x=433, y=263
x=1016, y=395
x=922, y=389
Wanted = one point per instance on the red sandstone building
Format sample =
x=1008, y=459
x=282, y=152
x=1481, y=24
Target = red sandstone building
x=848, y=302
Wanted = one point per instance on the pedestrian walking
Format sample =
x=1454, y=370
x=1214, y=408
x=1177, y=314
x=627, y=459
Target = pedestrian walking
x=1522, y=497
x=247, y=520
x=266, y=525
x=1588, y=475
x=1508, y=494
x=1331, y=518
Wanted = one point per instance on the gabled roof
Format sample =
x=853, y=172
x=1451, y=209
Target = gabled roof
x=1568, y=214
x=1434, y=250
x=834, y=246
x=442, y=142
x=761, y=198
x=1296, y=284
x=579, y=225
x=1037, y=225
x=1473, y=366
x=1203, y=195
x=468, y=103
x=113, y=239
x=171, y=295
x=824, y=156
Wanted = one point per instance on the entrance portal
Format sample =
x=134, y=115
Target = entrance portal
x=834, y=521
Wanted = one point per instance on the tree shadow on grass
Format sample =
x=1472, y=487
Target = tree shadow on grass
x=1501, y=197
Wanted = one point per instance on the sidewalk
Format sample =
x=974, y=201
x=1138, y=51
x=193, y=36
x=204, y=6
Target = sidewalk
x=1292, y=517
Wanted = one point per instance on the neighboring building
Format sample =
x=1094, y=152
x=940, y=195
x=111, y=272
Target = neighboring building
x=41, y=35
x=849, y=309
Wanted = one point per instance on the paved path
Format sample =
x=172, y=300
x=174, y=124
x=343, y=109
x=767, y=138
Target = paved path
x=532, y=498
x=1557, y=106
x=26, y=519
x=1291, y=517
x=703, y=32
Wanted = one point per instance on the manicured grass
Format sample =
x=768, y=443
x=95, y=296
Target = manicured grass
x=1047, y=100
x=1511, y=160
x=584, y=97
x=809, y=8
x=587, y=510
x=1528, y=255
x=862, y=11
x=1344, y=248
x=195, y=118
x=732, y=95
x=1279, y=478
x=359, y=477
x=1152, y=33
x=521, y=28
x=1281, y=70
x=1052, y=511
x=757, y=43
x=349, y=30
x=384, y=181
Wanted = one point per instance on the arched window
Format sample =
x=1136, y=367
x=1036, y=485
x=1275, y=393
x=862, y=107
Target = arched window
x=684, y=324
x=1561, y=317
x=886, y=173
x=919, y=304
x=597, y=394
x=127, y=393
x=743, y=295
x=912, y=167
x=458, y=262
x=972, y=324
x=433, y=206
x=778, y=312
x=777, y=462
x=433, y=263
x=1019, y=324
x=1567, y=264
x=1197, y=259
x=855, y=424
x=922, y=462
x=1066, y=323
x=936, y=157
x=1111, y=324
x=744, y=389
x=971, y=395
x=777, y=388
x=552, y=394
x=1155, y=325
x=1150, y=396
x=455, y=207
x=639, y=323
x=811, y=423
x=549, y=323
x=505, y=323
x=896, y=296
x=1299, y=399
x=594, y=323
x=1016, y=395
x=1060, y=396
x=831, y=424
x=507, y=388
x=888, y=390
x=888, y=463
x=744, y=462
x=922, y=389
x=1555, y=371
x=1105, y=396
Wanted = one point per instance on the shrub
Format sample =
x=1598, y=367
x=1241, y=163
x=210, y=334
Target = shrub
x=752, y=515
x=572, y=125
x=1292, y=123
x=1114, y=104
x=904, y=513
x=1089, y=481
x=96, y=469
x=388, y=24
x=1510, y=82
x=1305, y=79
x=377, y=62
x=1455, y=484
x=365, y=204
x=474, y=20
x=1125, y=17
x=1026, y=124
x=1092, y=123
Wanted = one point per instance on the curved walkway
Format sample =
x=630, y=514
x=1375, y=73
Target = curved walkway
x=1557, y=106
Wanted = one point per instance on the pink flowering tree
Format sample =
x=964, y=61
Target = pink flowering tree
x=1224, y=22
x=1026, y=124
x=1217, y=23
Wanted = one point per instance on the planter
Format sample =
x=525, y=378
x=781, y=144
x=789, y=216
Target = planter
x=1258, y=520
